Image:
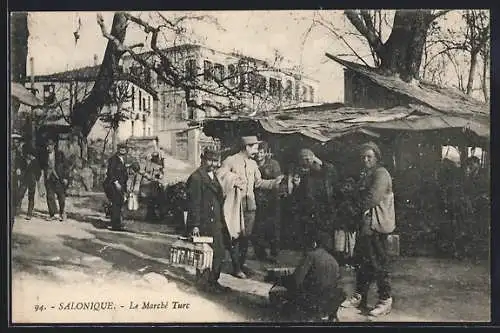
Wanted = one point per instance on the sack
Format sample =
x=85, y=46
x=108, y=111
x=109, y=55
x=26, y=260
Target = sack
x=393, y=245
x=344, y=242
x=132, y=202
x=383, y=216
x=185, y=252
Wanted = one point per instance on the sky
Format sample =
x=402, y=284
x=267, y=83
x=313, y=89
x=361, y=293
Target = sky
x=253, y=33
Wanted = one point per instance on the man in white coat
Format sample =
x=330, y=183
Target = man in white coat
x=240, y=172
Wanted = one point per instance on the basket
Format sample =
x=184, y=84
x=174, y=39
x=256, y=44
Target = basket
x=198, y=254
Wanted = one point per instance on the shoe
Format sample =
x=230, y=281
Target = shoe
x=240, y=275
x=246, y=270
x=27, y=217
x=62, y=217
x=352, y=302
x=218, y=288
x=118, y=229
x=382, y=308
x=52, y=218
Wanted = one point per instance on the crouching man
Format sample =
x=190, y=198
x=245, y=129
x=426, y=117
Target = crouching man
x=313, y=289
x=205, y=214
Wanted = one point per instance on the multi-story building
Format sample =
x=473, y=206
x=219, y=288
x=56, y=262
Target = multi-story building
x=221, y=82
x=136, y=100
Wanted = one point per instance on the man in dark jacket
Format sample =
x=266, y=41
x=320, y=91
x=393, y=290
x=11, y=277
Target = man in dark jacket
x=268, y=213
x=56, y=173
x=115, y=185
x=205, y=214
x=30, y=175
x=317, y=194
x=313, y=288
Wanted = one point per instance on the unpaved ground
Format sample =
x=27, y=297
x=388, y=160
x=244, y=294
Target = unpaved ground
x=57, y=262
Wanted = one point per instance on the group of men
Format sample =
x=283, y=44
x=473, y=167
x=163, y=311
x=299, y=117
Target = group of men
x=29, y=166
x=237, y=202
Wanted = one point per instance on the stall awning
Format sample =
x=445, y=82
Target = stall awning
x=23, y=95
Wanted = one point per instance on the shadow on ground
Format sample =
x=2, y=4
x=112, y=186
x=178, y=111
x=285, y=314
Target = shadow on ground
x=252, y=306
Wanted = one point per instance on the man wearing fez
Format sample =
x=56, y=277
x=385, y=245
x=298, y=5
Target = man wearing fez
x=316, y=193
x=115, y=185
x=56, y=172
x=241, y=172
x=205, y=213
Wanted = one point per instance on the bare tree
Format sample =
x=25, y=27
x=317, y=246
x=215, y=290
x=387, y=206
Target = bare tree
x=402, y=53
x=232, y=90
x=115, y=114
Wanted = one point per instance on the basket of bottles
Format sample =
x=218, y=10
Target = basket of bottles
x=192, y=251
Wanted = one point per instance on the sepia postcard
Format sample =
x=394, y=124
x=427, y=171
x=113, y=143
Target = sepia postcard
x=292, y=166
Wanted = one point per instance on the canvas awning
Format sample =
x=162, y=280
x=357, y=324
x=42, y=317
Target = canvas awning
x=23, y=95
x=326, y=125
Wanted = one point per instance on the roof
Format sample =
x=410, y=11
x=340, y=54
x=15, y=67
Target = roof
x=334, y=121
x=90, y=73
x=23, y=95
x=446, y=100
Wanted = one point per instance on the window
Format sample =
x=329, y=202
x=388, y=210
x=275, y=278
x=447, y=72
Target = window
x=288, y=89
x=149, y=103
x=304, y=94
x=140, y=100
x=190, y=69
x=233, y=75
x=243, y=71
x=144, y=104
x=311, y=92
x=262, y=84
x=275, y=87
x=49, y=93
x=133, y=98
x=297, y=91
x=208, y=71
x=219, y=72
x=149, y=131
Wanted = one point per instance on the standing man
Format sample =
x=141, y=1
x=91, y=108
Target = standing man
x=205, y=212
x=30, y=176
x=56, y=173
x=115, y=185
x=268, y=213
x=244, y=169
x=317, y=197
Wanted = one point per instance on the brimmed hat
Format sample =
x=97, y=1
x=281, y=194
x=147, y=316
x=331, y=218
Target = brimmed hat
x=210, y=153
x=306, y=153
x=122, y=145
x=250, y=140
x=50, y=141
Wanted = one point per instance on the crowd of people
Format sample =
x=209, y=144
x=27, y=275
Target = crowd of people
x=236, y=201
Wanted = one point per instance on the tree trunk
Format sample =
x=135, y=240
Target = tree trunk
x=18, y=46
x=402, y=53
x=114, y=140
x=85, y=114
x=472, y=71
x=484, y=84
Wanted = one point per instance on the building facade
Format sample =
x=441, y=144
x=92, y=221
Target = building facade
x=136, y=101
x=221, y=83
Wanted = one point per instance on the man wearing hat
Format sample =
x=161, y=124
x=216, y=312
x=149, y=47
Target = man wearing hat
x=30, y=175
x=115, y=185
x=56, y=173
x=205, y=212
x=245, y=170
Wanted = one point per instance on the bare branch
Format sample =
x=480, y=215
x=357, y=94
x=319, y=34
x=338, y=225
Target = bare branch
x=367, y=31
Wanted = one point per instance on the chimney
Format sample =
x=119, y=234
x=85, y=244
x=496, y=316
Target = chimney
x=32, y=72
x=96, y=60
